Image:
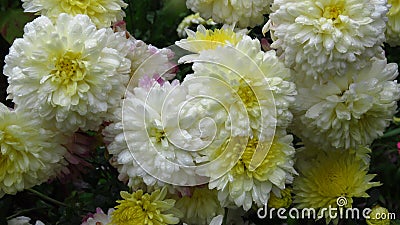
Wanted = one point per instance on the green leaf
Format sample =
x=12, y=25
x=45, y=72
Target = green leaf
x=12, y=23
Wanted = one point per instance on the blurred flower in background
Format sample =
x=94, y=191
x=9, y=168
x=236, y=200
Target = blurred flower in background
x=102, y=12
x=98, y=218
x=190, y=21
x=243, y=13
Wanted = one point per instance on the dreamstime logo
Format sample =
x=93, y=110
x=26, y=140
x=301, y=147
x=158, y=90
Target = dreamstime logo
x=183, y=134
x=341, y=201
x=338, y=211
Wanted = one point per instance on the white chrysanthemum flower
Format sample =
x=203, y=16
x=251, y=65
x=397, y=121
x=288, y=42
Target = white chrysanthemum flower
x=129, y=170
x=200, y=206
x=257, y=80
x=243, y=13
x=70, y=73
x=243, y=186
x=319, y=36
x=160, y=131
x=204, y=39
x=102, y=12
x=29, y=153
x=349, y=110
x=191, y=20
x=393, y=24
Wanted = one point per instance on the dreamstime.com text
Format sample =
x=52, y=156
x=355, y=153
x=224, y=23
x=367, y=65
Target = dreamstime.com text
x=332, y=212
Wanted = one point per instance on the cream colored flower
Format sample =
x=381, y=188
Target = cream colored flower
x=129, y=170
x=393, y=24
x=257, y=82
x=102, y=12
x=321, y=37
x=256, y=90
x=349, y=110
x=161, y=130
x=243, y=185
x=204, y=39
x=29, y=153
x=71, y=73
x=244, y=13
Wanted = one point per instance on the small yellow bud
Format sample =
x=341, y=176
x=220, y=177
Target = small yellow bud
x=283, y=202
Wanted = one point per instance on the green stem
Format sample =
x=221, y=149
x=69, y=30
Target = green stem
x=24, y=211
x=47, y=198
x=225, y=217
x=391, y=133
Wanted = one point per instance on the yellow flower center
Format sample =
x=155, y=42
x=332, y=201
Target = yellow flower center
x=274, y=156
x=336, y=177
x=14, y=157
x=157, y=134
x=69, y=68
x=333, y=11
x=249, y=152
x=247, y=95
x=75, y=6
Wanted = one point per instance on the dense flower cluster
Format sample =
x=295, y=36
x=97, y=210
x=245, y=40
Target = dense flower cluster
x=202, y=132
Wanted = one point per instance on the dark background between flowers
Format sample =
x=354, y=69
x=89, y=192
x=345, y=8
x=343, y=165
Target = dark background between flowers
x=155, y=22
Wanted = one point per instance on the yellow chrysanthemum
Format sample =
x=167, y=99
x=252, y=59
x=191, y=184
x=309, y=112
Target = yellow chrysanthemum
x=144, y=208
x=378, y=216
x=393, y=24
x=200, y=206
x=205, y=39
x=325, y=176
x=29, y=154
x=101, y=12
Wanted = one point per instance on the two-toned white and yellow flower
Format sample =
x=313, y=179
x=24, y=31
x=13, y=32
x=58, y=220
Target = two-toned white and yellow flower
x=102, y=12
x=70, y=73
x=31, y=151
x=322, y=37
